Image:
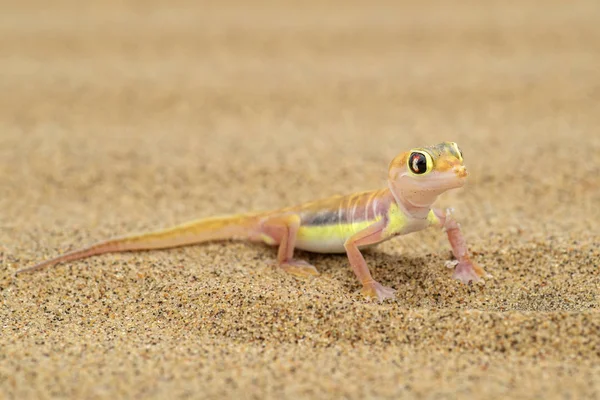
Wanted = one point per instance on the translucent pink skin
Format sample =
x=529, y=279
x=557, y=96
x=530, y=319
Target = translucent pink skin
x=464, y=269
x=413, y=194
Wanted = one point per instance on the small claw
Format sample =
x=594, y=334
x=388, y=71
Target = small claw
x=376, y=290
x=299, y=268
x=467, y=271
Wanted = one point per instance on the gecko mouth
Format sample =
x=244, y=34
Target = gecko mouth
x=445, y=180
x=436, y=181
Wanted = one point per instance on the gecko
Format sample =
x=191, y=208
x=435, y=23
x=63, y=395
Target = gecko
x=338, y=224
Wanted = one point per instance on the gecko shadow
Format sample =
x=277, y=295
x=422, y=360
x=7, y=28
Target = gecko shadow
x=420, y=281
x=387, y=269
x=537, y=279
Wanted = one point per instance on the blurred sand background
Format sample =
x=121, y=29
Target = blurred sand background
x=124, y=116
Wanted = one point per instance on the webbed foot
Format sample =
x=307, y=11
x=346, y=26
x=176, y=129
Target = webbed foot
x=299, y=268
x=376, y=290
x=467, y=271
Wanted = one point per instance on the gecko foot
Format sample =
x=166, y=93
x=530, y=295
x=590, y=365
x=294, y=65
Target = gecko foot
x=376, y=290
x=299, y=268
x=466, y=271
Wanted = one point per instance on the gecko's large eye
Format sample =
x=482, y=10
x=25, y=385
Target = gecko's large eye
x=419, y=162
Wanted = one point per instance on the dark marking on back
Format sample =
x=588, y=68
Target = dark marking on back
x=322, y=218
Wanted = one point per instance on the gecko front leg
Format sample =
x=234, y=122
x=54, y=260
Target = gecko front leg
x=370, y=235
x=283, y=230
x=465, y=270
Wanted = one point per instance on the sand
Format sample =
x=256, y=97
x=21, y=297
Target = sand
x=116, y=118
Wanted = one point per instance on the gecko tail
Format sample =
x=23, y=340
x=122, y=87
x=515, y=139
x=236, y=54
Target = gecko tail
x=200, y=231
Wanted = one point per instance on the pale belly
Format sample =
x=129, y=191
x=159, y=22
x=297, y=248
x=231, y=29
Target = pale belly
x=332, y=246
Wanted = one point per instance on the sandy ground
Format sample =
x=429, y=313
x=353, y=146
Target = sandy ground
x=122, y=117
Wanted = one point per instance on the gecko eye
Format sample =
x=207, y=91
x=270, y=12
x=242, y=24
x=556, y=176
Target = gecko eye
x=419, y=163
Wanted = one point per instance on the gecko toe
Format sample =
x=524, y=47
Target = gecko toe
x=299, y=269
x=378, y=291
x=467, y=271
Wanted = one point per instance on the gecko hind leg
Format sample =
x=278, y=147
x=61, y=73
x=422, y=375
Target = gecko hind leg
x=283, y=230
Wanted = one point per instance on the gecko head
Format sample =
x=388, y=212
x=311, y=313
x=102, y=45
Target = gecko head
x=422, y=174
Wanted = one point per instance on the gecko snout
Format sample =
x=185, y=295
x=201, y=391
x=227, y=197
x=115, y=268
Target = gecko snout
x=460, y=171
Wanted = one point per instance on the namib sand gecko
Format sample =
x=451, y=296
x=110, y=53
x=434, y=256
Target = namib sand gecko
x=339, y=224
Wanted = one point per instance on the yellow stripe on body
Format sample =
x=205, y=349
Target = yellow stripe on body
x=432, y=218
x=329, y=238
x=396, y=221
x=400, y=224
x=339, y=231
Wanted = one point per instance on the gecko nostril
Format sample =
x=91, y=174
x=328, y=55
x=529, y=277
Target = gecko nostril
x=460, y=171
